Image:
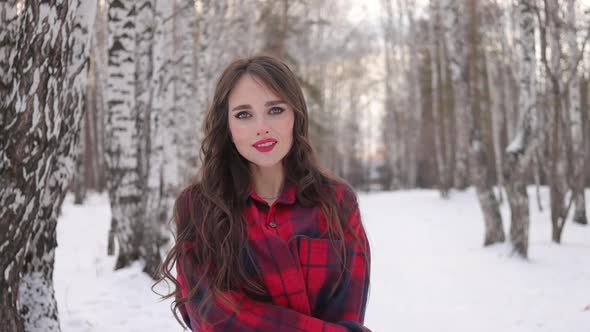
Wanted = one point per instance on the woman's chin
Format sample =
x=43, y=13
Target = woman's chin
x=265, y=164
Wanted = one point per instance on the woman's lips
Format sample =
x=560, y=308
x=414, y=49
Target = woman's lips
x=265, y=145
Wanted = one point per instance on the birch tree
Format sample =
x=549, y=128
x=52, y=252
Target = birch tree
x=149, y=91
x=520, y=151
x=176, y=74
x=557, y=135
x=493, y=30
x=455, y=40
x=123, y=134
x=479, y=165
x=414, y=95
x=575, y=119
x=162, y=145
x=212, y=55
x=392, y=120
x=78, y=185
x=45, y=65
x=442, y=144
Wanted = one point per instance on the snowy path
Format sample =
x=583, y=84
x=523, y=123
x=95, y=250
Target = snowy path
x=429, y=272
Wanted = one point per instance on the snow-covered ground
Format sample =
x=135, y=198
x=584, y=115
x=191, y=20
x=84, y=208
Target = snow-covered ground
x=430, y=272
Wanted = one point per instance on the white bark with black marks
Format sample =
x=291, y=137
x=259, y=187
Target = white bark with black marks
x=576, y=125
x=521, y=150
x=41, y=115
x=122, y=134
x=184, y=121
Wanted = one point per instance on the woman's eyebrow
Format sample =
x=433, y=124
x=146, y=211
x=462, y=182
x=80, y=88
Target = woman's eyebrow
x=247, y=106
x=274, y=102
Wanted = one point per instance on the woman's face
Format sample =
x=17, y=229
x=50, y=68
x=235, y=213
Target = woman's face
x=260, y=123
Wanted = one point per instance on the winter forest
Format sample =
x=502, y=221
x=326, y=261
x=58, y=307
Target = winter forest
x=462, y=124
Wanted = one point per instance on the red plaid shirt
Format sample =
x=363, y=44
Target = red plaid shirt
x=299, y=271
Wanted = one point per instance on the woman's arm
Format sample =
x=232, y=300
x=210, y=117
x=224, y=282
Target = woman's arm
x=251, y=316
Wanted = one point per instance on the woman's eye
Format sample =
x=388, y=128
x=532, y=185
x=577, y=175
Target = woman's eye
x=243, y=115
x=277, y=110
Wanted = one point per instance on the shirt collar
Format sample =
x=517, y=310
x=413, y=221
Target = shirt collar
x=287, y=196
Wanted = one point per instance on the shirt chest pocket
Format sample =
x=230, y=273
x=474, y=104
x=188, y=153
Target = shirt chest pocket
x=321, y=266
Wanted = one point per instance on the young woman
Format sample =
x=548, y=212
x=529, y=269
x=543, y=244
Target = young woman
x=265, y=239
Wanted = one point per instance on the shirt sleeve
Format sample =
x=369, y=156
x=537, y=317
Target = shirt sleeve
x=251, y=315
x=347, y=305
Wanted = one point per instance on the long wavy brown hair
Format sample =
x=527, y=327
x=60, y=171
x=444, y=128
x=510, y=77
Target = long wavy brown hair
x=209, y=211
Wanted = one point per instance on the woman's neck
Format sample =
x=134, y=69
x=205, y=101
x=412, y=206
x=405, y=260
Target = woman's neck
x=268, y=181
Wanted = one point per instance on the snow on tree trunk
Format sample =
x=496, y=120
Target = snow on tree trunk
x=575, y=121
x=521, y=150
x=41, y=120
x=453, y=12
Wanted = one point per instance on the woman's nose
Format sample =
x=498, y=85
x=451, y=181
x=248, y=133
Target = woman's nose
x=265, y=131
x=263, y=127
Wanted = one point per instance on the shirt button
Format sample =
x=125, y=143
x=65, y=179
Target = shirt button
x=272, y=224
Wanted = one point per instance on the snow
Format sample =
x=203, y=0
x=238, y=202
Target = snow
x=429, y=271
x=33, y=294
x=517, y=144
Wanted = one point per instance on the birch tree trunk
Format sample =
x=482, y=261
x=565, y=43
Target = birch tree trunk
x=521, y=150
x=211, y=56
x=122, y=132
x=78, y=183
x=392, y=135
x=351, y=133
x=147, y=232
x=497, y=82
x=45, y=83
x=94, y=107
x=447, y=112
x=575, y=121
x=510, y=70
x=159, y=136
x=184, y=117
x=557, y=134
x=453, y=11
x=414, y=97
x=437, y=101
x=101, y=57
x=479, y=165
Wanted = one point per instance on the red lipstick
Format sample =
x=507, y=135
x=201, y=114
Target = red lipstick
x=267, y=144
